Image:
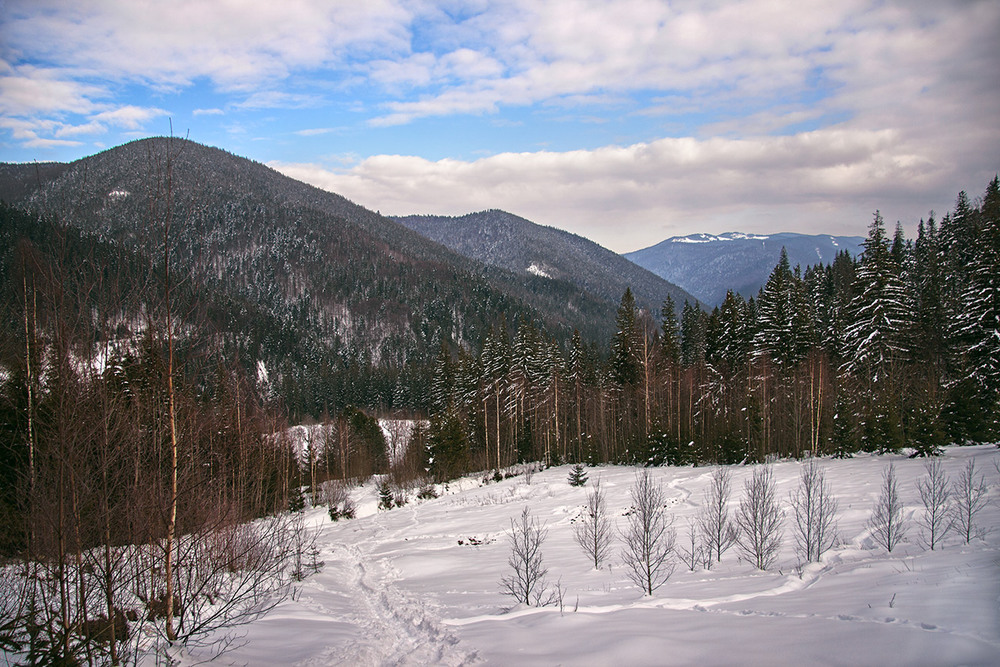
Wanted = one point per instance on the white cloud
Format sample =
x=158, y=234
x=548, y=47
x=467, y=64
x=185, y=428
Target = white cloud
x=274, y=99
x=27, y=90
x=632, y=196
x=208, y=112
x=236, y=45
x=129, y=117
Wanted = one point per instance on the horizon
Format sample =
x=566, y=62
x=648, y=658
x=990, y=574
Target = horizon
x=626, y=123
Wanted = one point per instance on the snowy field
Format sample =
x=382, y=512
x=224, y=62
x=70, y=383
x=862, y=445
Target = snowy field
x=419, y=585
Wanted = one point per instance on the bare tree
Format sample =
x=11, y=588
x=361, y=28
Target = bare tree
x=650, y=536
x=526, y=582
x=938, y=517
x=970, y=499
x=693, y=551
x=759, y=519
x=886, y=522
x=815, y=511
x=718, y=529
x=595, y=533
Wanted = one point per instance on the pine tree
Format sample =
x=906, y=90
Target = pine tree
x=625, y=348
x=577, y=475
x=670, y=345
x=384, y=495
x=977, y=327
x=783, y=323
x=693, y=322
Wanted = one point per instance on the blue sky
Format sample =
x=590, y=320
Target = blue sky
x=626, y=121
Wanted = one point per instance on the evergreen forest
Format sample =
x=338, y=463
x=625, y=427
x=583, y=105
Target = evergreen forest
x=897, y=348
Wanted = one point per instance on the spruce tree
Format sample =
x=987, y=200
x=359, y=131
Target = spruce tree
x=577, y=475
x=977, y=325
x=625, y=348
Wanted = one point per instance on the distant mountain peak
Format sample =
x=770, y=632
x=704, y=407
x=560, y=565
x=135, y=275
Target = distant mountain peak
x=708, y=265
x=507, y=241
x=708, y=238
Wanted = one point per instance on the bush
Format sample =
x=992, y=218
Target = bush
x=577, y=476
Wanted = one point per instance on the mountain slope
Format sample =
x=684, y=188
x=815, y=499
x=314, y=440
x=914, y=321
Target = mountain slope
x=510, y=242
x=356, y=304
x=708, y=266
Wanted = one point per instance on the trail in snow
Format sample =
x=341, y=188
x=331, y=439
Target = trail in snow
x=392, y=628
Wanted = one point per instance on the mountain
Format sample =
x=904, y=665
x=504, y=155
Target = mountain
x=707, y=265
x=327, y=302
x=504, y=240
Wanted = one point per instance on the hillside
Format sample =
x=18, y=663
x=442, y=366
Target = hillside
x=355, y=305
x=420, y=584
x=708, y=265
x=504, y=240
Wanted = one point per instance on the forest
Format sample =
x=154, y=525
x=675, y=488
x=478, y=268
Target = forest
x=135, y=449
x=896, y=348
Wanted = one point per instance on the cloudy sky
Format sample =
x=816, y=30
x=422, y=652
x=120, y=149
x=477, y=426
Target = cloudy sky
x=626, y=121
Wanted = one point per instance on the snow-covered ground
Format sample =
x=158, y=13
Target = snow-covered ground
x=419, y=585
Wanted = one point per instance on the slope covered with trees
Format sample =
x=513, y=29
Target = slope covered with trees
x=897, y=348
x=504, y=240
x=342, y=306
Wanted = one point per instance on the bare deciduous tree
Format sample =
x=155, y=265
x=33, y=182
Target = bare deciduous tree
x=938, y=517
x=759, y=519
x=693, y=551
x=886, y=522
x=650, y=536
x=718, y=529
x=526, y=582
x=970, y=499
x=815, y=510
x=595, y=533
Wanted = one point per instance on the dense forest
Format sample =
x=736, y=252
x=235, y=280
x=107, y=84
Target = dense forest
x=136, y=443
x=896, y=348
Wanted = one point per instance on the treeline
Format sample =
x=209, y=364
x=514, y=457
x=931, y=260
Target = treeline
x=897, y=348
x=132, y=454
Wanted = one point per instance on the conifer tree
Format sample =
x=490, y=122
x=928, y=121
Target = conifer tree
x=977, y=325
x=624, y=348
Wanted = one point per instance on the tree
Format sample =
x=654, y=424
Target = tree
x=977, y=324
x=526, y=582
x=384, y=495
x=625, y=348
x=938, y=517
x=650, y=536
x=594, y=533
x=782, y=318
x=815, y=510
x=886, y=521
x=759, y=519
x=719, y=531
x=970, y=498
x=448, y=448
x=577, y=475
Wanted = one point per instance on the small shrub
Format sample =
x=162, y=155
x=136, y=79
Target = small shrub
x=577, y=476
x=385, y=498
x=427, y=492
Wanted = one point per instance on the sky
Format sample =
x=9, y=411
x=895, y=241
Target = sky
x=625, y=121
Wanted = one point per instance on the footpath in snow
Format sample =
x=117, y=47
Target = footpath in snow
x=419, y=585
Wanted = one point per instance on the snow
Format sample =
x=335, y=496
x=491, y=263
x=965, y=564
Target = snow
x=708, y=238
x=419, y=584
x=538, y=271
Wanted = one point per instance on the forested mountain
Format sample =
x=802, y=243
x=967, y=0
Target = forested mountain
x=710, y=265
x=504, y=240
x=341, y=305
x=896, y=348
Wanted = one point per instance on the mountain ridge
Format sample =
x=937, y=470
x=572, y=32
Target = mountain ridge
x=708, y=265
x=506, y=240
x=362, y=304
